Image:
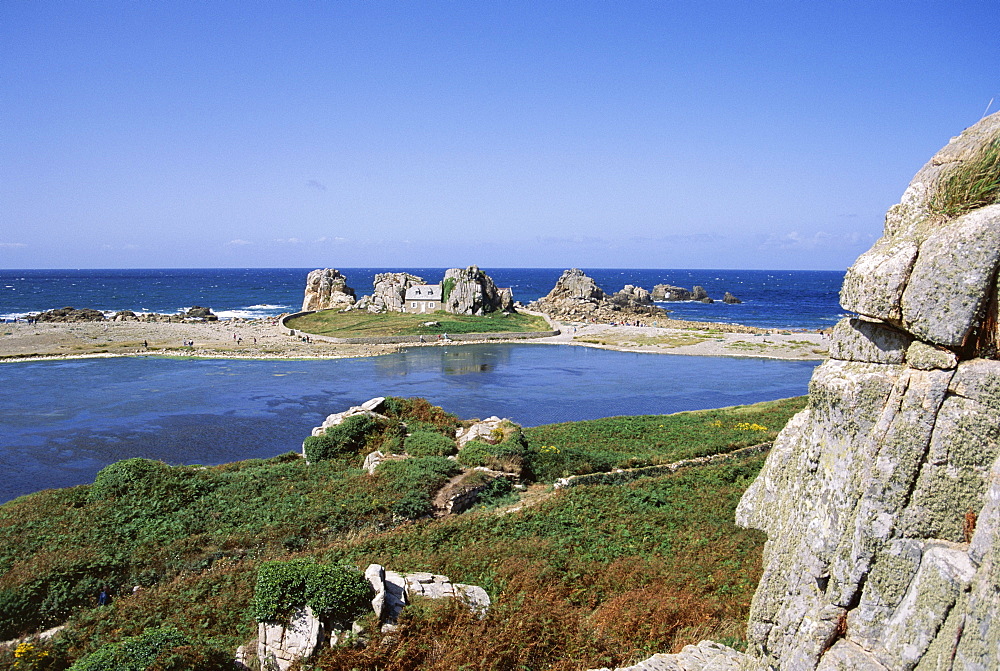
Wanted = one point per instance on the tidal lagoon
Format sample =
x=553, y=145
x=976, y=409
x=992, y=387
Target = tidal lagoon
x=62, y=421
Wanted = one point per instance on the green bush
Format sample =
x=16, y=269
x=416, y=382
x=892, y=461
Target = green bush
x=429, y=444
x=130, y=476
x=418, y=479
x=135, y=653
x=417, y=409
x=446, y=288
x=355, y=435
x=508, y=455
x=340, y=593
x=413, y=426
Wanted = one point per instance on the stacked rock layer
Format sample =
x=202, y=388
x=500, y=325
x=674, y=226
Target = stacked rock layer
x=881, y=500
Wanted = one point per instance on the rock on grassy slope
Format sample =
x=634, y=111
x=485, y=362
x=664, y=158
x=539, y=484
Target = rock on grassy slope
x=881, y=500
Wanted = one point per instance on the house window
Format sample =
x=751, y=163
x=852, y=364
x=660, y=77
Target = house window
x=430, y=305
x=413, y=305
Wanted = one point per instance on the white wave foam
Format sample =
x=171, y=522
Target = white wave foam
x=253, y=312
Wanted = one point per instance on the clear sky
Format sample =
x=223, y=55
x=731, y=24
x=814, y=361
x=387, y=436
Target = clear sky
x=547, y=134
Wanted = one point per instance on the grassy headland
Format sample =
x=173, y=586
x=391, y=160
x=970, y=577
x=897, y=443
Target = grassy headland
x=361, y=324
x=586, y=577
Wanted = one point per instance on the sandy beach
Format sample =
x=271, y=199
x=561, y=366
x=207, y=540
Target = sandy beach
x=263, y=339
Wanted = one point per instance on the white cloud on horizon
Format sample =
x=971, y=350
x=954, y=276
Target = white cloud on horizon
x=818, y=240
x=12, y=245
x=237, y=242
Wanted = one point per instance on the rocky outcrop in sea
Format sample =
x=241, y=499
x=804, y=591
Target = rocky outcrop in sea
x=64, y=315
x=576, y=296
x=327, y=288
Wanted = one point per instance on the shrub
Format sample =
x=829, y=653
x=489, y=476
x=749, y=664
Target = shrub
x=130, y=476
x=419, y=410
x=135, y=653
x=413, y=426
x=429, y=444
x=340, y=593
x=171, y=487
x=508, y=455
x=356, y=434
x=336, y=592
x=418, y=479
x=446, y=288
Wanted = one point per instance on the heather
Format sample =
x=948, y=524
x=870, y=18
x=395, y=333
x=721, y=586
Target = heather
x=598, y=575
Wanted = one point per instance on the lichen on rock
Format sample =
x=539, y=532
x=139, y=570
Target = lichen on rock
x=881, y=500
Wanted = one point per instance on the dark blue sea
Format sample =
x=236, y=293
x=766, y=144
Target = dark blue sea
x=771, y=298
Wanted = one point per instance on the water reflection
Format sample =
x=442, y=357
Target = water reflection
x=467, y=359
x=63, y=421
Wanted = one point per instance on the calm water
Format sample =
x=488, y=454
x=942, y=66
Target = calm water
x=62, y=421
x=772, y=298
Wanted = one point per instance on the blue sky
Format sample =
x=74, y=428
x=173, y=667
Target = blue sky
x=548, y=134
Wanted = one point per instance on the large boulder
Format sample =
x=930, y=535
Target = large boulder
x=881, y=500
x=390, y=290
x=69, y=315
x=470, y=291
x=576, y=296
x=668, y=292
x=327, y=288
x=198, y=312
x=281, y=644
x=631, y=297
x=575, y=286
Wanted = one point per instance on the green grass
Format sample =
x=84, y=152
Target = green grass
x=575, y=448
x=971, y=184
x=600, y=575
x=361, y=324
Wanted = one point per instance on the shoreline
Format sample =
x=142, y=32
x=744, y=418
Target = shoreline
x=263, y=340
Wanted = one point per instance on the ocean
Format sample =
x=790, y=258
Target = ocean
x=795, y=299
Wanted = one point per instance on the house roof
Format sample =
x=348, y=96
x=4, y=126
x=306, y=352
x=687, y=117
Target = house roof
x=424, y=292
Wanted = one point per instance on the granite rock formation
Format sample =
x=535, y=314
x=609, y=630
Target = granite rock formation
x=632, y=296
x=198, y=312
x=576, y=296
x=69, y=315
x=390, y=290
x=280, y=645
x=327, y=288
x=667, y=292
x=881, y=500
x=470, y=291
x=698, y=293
x=730, y=299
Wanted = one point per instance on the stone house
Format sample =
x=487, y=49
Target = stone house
x=423, y=298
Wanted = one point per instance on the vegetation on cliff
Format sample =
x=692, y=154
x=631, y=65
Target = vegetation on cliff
x=971, y=184
x=598, y=575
